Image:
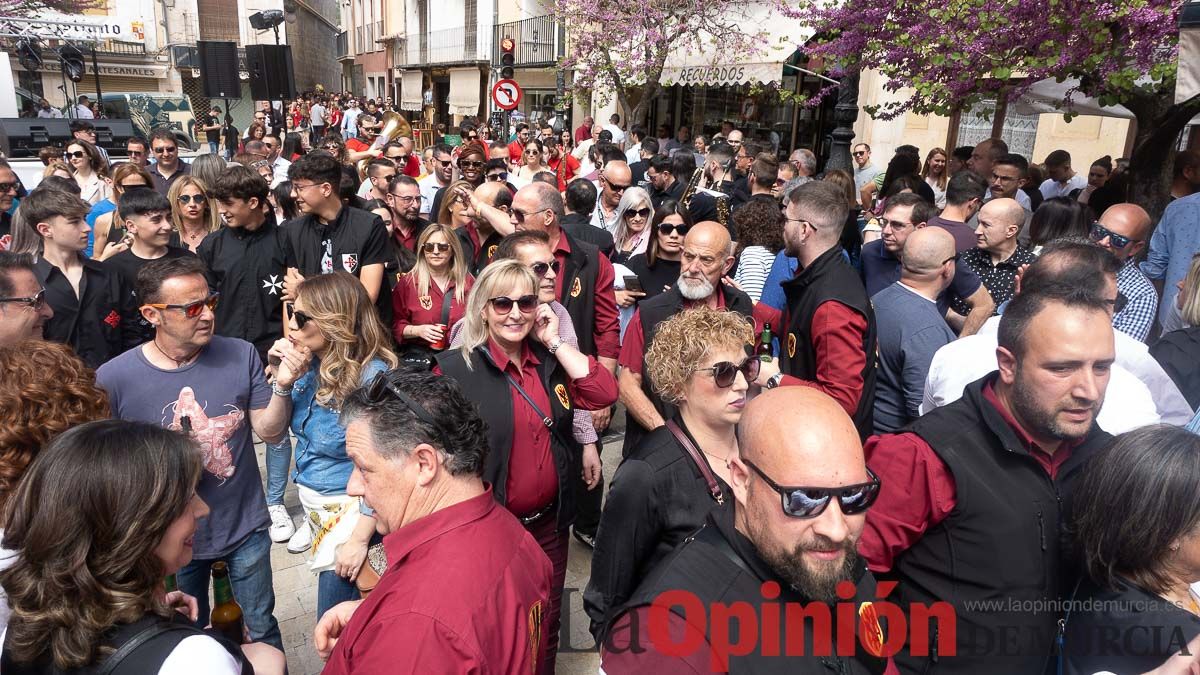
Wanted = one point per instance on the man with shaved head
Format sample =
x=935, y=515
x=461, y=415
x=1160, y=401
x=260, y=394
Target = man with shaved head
x=489, y=206
x=1123, y=229
x=911, y=329
x=776, y=549
x=705, y=260
x=615, y=178
x=998, y=257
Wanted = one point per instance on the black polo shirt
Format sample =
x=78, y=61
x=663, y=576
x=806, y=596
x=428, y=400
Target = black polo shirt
x=99, y=323
x=353, y=240
x=163, y=185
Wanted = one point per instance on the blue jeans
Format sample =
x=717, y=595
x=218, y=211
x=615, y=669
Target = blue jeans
x=212, y=146
x=332, y=590
x=250, y=574
x=279, y=460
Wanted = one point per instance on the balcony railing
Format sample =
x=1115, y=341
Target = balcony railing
x=119, y=48
x=343, y=44
x=540, y=41
x=454, y=45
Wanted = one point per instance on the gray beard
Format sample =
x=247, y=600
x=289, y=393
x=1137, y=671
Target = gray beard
x=694, y=291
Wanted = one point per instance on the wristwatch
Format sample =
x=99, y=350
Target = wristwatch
x=773, y=381
x=554, y=347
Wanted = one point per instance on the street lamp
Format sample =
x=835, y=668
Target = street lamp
x=845, y=112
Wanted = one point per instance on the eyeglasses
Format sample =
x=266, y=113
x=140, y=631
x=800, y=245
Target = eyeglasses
x=165, y=150
x=810, y=502
x=9, y=187
x=430, y=247
x=665, y=229
x=522, y=215
x=405, y=199
x=331, y=147
x=504, y=305
x=189, y=199
x=643, y=212
x=1118, y=241
x=387, y=178
x=497, y=177
x=469, y=164
x=892, y=223
x=191, y=310
x=78, y=154
x=302, y=319
x=801, y=221
x=298, y=187
x=135, y=153
x=533, y=152
x=35, y=303
x=724, y=373
x=953, y=258
x=541, y=268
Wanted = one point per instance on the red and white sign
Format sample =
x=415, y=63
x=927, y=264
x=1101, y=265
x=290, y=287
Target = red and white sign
x=506, y=94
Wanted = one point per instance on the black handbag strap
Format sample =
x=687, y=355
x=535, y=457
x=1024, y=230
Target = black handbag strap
x=140, y=638
x=447, y=298
x=714, y=489
x=546, y=419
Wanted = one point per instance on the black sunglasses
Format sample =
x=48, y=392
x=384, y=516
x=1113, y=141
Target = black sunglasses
x=1099, y=232
x=444, y=162
x=725, y=372
x=643, y=212
x=614, y=187
x=522, y=215
x=430, y=247
x=35, y=303
x=78, y=154
x=167, y=150
x=302, y=319
x=810, y=502
x=9, y=187
x=540, y=268
x=469, y=164
x=504, y=304
x=667, y=228
x=497, y=177
x=331, y=147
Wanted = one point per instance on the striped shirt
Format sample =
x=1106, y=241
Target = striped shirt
x=753, y=267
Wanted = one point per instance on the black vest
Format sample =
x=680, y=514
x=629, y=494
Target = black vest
x=579, y=290
x=1004, y=541
x=485, y=385
x=829, y=277
x=719, y=565
x=652, y=312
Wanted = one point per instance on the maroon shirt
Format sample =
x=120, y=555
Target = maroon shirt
x=410, y=308
x=607, y=329
x=918, y=489
x=464, y=592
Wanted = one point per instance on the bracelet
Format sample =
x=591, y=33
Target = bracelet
x=556, y=345
x=280, y=391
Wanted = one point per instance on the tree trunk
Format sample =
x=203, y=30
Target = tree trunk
x=1159, y=122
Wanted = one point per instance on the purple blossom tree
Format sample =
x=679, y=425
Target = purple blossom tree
x=948, y=54
x=621, y=46
x=32, y=8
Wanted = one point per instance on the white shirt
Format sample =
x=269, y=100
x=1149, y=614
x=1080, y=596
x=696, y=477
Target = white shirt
x=350, y=121
x=1139, y=391
x=1051, y=188
x=316, y=114
x=429, y=187
x=50, y=113
x=83, y=112
x=864, y=175
x=280, y=167
x=634, y=154
x=618, y=135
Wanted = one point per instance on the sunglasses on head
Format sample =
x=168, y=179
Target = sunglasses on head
x=35, y=303
x=382, y=386
x=665, y=229
x=540, y=268
x=810, y=502
x=192, y=310
x=504, y=304
x=430, y=247
x=1099, y=232
x=724, y=372
x=643, y=212
x=188, y=199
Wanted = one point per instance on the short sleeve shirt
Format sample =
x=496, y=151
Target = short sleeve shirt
x=352, y=241
x=215, y=393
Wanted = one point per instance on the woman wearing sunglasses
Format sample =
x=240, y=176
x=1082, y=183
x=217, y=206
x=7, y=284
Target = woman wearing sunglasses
x=90, y=171
x=633, y=217
x=658, y=268
x=700, y=362
x=195, y=215
x=108, y=228
x=432, y=296
x=533, y=162
x=527, y=382
x=335, y=321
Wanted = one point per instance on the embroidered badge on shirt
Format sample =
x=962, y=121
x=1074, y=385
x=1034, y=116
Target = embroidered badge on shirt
x=791, y=345
x=350, y=262
x=535, y=634
x=273, y=285
x=561, y=392
x=113, y=319
x=576, y=288
x=426, y=302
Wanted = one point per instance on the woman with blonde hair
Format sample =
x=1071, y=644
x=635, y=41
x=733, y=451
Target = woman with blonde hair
x=58, y=167
x=936, y=176
x=431, y=297
x=193, y=212
x=108, y=228
x=334, y=319
x=527, y=383
x=633, y=233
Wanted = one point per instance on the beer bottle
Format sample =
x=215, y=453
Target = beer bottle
x=764, y=343
x=226, y=613
x=171, y=583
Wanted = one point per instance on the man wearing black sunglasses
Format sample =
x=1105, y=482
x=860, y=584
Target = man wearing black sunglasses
x=1122, y=229
x=615, y=179
x=801, y=497
x=168, y=167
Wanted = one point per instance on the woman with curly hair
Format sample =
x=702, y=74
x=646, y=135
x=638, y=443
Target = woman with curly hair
x=700, y=361
x=334, y=319
x=94, y=547
x=759, y=226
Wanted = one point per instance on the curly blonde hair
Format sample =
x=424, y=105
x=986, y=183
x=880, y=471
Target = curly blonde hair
x=681, y=343
x=346, y=317
x=56, y=392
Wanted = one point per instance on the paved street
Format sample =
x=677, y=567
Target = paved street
x=296, y=588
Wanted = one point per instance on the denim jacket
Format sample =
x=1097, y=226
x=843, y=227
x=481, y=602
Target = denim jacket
x=321, y=460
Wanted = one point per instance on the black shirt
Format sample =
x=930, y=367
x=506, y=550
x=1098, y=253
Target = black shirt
x=247, y=269
x=654, y=279
x=213, y=136
x=673, y=192
x=657, y=498
x=999, y=279
x=579, y=225
x=101, y=322
x=5, y=231
x=163, y=185
x=352, y=241
x=127, y=265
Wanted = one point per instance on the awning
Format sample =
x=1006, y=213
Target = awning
x=1046, y=96
x=464, y=91
x=411, y=90
x=717, y=65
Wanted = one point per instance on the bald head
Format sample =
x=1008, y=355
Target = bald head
x=487, y=192
x=706, y=258
x=926, y=252
x=1004, y=211
x=614, y=180
x=1125, y=220
x=801, y=436
x=708, y=235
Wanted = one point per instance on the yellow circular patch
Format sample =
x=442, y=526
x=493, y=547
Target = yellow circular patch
x=576, y=288
x=791, y=345
x=561, y=392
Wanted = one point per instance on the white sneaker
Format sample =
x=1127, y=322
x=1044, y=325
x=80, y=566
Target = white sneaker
x=282, y=528
x=301, y=541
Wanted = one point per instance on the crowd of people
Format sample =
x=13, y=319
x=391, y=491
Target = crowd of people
x=965, y=377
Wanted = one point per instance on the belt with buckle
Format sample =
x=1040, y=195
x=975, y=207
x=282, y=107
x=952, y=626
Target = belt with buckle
x=537, y=515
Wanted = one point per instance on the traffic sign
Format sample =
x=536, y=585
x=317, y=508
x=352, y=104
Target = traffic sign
x=506, y=94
